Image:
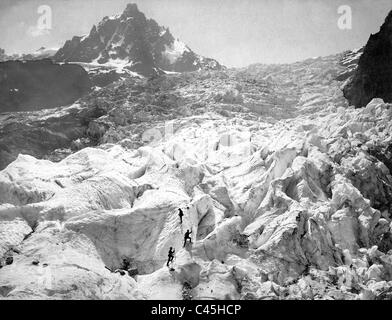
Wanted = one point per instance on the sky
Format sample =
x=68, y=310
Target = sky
x=235, y=32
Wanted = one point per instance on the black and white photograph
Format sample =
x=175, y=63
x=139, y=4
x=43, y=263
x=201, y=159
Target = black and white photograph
x=197, y=150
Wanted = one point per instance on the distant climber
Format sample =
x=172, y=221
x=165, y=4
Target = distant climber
x=307, y=269
x=9, y=260
x=187, y=236
x=180, y=214
x=125, y=264
x=170, y=256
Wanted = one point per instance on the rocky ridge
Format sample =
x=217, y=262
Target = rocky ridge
x=373, y=77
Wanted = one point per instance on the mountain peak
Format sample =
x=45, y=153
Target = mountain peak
x=388, y=22
x=131, y=10
x=135, y=43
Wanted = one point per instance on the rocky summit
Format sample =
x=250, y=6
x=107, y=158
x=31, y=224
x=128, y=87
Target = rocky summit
x=285, y=187
x=132, y=42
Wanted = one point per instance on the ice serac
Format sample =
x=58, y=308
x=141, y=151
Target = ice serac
x=298, y=210
x=130, y=40
x=373, y=78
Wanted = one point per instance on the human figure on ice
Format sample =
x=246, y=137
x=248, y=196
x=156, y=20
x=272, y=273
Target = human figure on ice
x=187, y=237
x=180, y=214
x=125, y=264
x=170, y=256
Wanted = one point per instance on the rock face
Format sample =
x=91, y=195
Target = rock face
x=373, y=78
x=33, y=85
x=131, y=41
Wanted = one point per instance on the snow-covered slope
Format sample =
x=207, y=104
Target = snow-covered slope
x=41, y=53
x=267, y=203
x=288, y=188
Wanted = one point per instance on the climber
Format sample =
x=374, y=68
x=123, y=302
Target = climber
x=180, y=214
x=9, y=260
x=170, y=256
x=186, y=237
x=125, y=264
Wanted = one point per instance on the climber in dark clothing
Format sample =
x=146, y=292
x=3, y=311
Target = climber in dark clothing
x=186, y=237
x=125, y=264
x=170, y=256
x=180, y=214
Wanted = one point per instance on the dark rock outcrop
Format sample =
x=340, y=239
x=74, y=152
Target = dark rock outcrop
x=34, y=85
x=373, y=77
x=136, y=43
